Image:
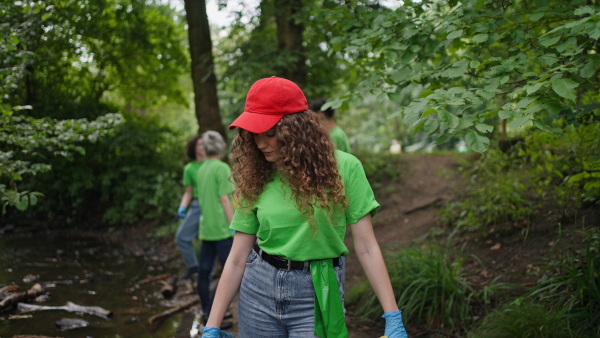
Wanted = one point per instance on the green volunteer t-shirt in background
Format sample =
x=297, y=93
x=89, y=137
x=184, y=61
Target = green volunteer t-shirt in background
x=340, y=139
x=282, y=231
x=190, y=176
x=213, y=182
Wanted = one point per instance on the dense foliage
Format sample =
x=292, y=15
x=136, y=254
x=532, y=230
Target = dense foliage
x=527, y=62
x=67, y=67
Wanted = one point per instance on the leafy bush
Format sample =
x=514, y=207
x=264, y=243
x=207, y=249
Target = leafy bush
x=560, y=170
x=495, y=193
x=29, y=146
x=430, y=286
x=126, y=178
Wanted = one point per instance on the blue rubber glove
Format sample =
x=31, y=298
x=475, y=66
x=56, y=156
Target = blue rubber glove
x=394, y=328
x=210, y=332
x=181, y=211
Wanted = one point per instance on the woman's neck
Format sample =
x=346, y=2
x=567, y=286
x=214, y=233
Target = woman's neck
x=214, y=157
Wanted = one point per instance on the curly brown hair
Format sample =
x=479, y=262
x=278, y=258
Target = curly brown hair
x=306, y=161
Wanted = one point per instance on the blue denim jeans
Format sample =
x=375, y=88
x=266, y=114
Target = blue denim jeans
x=187, y=232
x=277, y=303
x=209, y=251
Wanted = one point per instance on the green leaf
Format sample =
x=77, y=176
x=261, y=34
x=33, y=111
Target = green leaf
x=584, y=10
x=549, y=41
x=565, y=88
x=534, y=88
x=534, y=109
x=480, y=38
x=484, y=128
x=428, y=112
x=593, y=30
x=519, y=122
x=449, y=119
x=485, y=94
x=23, y=203
x=474, y=64
x=426, y=93
x=443, y=138
x=465, y=122
x=431, y=126
x=458, y=68
x=506, y=114
x=32, y=199
x=526, y=101
x=455, y=34
x=401, y=75
x=536, y=16
x=476, y=142
x=395, y=96
x=588, y=70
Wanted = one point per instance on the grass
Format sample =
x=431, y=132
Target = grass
x=429, y=284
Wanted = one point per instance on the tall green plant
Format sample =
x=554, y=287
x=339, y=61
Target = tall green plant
x=430, y=286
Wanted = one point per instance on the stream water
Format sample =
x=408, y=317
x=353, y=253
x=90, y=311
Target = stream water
x=112, y=272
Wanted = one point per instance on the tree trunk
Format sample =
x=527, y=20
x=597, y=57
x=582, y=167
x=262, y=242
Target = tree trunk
x=203, y=75
x=289, y=37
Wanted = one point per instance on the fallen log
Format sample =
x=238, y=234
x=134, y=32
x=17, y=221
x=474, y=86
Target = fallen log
x=153, y=278
x=70, y=307
x=8, y=289
x=169, y=287
x=173, y=311
x=35, y=290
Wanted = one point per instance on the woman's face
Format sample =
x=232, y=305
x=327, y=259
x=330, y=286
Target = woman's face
x=200, y=149
x=268, y=144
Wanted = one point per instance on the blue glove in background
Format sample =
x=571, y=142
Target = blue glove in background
x=181, y=211
x=394, y=328
x=210, y=332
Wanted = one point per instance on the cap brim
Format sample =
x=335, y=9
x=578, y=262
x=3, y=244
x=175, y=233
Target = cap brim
x=255, y=123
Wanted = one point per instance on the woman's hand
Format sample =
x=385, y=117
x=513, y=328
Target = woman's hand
x=394, y=328
x=210, y=332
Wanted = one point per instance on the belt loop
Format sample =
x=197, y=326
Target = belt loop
x=306, y=266
x=289, y=265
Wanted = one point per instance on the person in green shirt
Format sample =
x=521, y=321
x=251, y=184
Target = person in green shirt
x=339, y=138
x=296, y=195
x=214, y=194
x=188, y=229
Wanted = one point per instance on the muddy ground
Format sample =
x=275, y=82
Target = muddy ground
x=409, y=212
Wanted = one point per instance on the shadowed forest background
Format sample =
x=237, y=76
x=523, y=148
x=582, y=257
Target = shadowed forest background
x=98, y=98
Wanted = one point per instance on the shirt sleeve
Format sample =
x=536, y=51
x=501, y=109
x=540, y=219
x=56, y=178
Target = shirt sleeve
x=187, y=175
x=245, y=220
x=361, y=199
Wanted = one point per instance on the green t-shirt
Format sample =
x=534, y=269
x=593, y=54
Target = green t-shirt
x=340, y=139
x=213, y=182
x=190, y=176
x=282, y=231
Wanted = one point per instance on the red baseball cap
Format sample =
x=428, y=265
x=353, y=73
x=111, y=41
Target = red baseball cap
x=267, y=101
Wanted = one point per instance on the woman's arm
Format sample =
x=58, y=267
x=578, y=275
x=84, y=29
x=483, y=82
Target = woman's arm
x=226, y=203
x=370, y=258
x=187, y=196
x=231, y=277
